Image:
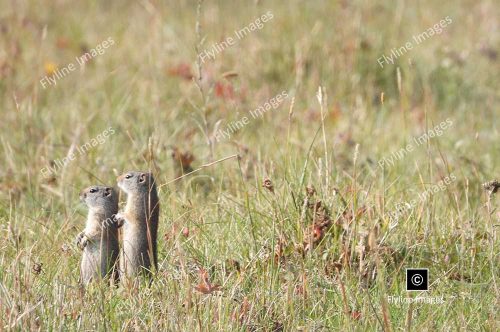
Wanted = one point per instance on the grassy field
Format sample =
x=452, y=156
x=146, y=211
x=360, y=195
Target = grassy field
x=305, y=217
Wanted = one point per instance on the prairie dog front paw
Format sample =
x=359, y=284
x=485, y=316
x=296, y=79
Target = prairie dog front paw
x=119, y=219
x=82, y=240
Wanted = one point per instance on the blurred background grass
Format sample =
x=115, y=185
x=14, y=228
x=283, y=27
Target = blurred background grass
x=142, y=86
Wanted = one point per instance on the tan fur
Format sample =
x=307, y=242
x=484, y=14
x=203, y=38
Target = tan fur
x=140, y=224
x=99, y=239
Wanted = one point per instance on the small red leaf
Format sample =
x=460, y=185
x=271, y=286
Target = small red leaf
x=205, y=286
x=356, y=315
x=224, y=91
x=182, y=70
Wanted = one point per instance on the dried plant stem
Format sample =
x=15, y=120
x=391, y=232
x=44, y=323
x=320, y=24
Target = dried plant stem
x=197, y=80
x=199, y=169
x=495, y=185
x=322, y=97
x=290, y=114
x=385, y=316
x=409, y=316
x=344, y=295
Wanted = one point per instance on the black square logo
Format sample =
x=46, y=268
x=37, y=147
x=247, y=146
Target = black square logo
x=417, y=279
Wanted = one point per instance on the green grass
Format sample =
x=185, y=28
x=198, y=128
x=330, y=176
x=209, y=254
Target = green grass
x=231, y=217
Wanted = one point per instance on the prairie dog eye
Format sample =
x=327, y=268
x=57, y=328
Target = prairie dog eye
x=128, y=176
x=93, y=190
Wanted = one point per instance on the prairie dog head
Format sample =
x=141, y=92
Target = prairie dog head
x=137, y=183
x=100, y=199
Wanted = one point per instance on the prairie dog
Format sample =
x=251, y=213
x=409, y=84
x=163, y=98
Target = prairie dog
x=140, y=223
x=99, y=239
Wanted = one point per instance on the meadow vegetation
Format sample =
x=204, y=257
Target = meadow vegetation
x=305, y=230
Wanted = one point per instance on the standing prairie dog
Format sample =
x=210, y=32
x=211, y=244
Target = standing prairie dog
x=140, y=223
x=99, y=239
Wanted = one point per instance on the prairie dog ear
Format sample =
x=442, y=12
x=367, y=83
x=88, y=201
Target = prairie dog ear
x=108, y=191
x=142, y=178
